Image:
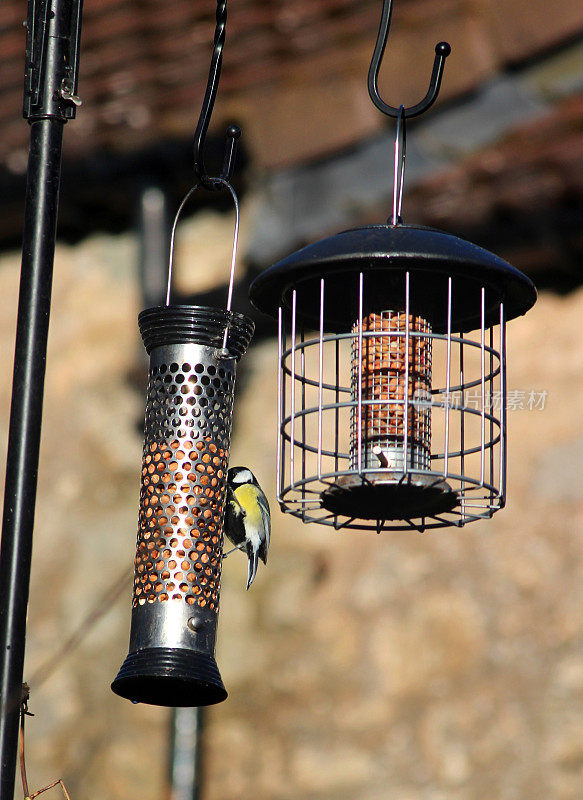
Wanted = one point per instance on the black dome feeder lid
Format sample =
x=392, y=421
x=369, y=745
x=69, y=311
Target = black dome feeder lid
x=384, y=254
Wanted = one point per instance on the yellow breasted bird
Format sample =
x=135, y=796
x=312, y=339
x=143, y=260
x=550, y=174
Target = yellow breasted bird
x=247, y=519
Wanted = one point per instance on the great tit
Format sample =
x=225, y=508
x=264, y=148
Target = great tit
x=247, y=520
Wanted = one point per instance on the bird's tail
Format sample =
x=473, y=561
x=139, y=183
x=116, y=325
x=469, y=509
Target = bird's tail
x=252, y=568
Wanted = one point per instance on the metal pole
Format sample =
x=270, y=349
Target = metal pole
x=154, y=241
x=187, y=726
x=52, y=48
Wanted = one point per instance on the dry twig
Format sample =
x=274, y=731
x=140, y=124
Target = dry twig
x=24, y=712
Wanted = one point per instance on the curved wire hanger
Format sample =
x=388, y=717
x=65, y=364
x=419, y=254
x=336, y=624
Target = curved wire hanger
x=219, y=183
x=442, y=50
x=233, y=131
x=203, y=179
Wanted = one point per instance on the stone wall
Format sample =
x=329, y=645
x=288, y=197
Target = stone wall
x=437, y=666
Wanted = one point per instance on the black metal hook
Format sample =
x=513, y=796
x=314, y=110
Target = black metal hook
x=233, y=131
x=442, y=50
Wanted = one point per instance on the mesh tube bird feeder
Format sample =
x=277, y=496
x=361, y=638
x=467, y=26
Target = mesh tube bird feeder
x=382, y=360
x=193, y=354
x=187, y=432
x=177, y=575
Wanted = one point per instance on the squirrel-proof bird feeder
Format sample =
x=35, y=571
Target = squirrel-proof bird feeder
x=392, y=377
x=392, y=364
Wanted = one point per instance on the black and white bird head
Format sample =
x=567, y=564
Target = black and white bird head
x=239, y=475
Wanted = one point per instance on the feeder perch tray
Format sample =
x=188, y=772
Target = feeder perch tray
x=389, y=495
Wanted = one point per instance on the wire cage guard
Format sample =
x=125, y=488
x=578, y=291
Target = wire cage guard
x=392, y=378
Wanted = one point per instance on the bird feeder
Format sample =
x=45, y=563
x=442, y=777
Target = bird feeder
x=392, y=377
x=189, y=408
x=392, y=366
x=177, y=575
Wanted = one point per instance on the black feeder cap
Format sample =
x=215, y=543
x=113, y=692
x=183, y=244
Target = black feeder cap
x=384, y=254
x=164, y=676
x=204, y=325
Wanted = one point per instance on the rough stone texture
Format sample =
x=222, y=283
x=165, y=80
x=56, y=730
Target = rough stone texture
x=442, y=666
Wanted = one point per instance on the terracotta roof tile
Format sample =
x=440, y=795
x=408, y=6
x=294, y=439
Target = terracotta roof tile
x=144, y=63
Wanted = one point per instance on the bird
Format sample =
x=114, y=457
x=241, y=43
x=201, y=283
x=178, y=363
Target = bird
x=247, y=518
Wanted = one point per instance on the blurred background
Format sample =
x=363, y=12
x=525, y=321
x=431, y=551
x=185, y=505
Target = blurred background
x=441, y=666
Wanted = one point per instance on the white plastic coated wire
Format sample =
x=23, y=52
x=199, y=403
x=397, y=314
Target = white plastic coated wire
x=227, y=185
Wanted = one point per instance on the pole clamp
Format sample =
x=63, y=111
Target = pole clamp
x=53, y=32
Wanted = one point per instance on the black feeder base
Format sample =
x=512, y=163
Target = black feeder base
x=172, y=677
x=389, y=496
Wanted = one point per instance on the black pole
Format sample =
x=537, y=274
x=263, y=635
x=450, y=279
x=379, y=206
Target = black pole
x=52, y=48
